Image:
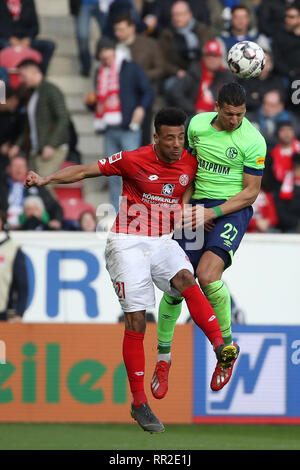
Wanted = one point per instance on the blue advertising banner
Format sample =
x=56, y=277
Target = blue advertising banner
x=265, y=383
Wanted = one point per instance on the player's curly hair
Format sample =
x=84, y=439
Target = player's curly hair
x=233, y=94
x=169, y=116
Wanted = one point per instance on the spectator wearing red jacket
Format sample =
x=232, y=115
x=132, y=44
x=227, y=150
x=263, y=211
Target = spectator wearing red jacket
x=264, y=214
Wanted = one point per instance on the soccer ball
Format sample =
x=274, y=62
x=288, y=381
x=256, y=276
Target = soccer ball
x=246, y=59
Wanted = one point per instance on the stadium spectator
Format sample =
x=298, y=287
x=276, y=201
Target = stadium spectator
x=270, y=15
x=240, y=29
x=12, y=121
x=279, y=161
x=123, y=94
x=35, y=216
x=157, y=14
x=141, y=49
x=13, y=194
x=120, y=7
x=181, y=44
x=19, y=27
x=197, y=91
x=83, y=11
x=287, y=200
x=270, y=113
x=13, y=275
x=220, y=13
x=264, y=219
x=286, y=45
x=145, y=52
x=88, y=221
x=256, y=88
x=47, y=130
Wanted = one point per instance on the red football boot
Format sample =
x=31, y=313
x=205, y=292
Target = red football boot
x=226, y=355
x=159, y=382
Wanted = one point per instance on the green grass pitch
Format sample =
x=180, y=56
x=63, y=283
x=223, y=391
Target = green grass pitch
x=131, y=437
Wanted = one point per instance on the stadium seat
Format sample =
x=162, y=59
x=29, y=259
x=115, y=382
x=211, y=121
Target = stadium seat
x=73, y=208
x=68, y=191
x=12, y=56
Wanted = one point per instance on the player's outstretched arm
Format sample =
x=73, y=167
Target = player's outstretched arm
x=70, y=174
x=246, y=197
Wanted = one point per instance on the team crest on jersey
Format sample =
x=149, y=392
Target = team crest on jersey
x=115, y=157
x=183, y=180
x=231, y=152
x=168, y=189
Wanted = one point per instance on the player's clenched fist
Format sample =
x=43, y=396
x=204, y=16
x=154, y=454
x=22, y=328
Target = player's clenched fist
x=33, y=179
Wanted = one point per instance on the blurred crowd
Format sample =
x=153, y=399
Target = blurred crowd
x=149, y=54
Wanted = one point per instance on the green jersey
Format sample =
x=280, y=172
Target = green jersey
x=224, y=156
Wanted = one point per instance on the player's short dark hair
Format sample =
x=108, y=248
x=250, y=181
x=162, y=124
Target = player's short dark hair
x=126, y=16
x=233, y=94
x=169, y=116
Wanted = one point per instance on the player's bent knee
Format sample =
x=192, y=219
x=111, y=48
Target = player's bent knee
x=183, y=279
x=205, y=277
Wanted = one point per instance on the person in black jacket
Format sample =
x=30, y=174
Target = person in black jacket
x=19, y=26
x=13, y=275
x=286, y=44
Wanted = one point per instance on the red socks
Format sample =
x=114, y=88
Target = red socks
x=203, y=314
x=134, y=359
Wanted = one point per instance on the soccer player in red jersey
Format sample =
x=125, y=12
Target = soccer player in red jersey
x=140, y=250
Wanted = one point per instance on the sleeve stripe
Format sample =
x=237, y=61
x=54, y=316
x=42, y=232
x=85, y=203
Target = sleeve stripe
x=253, y=171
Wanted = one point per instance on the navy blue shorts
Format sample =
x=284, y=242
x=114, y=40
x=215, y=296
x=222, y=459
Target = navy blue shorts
x=225, y=238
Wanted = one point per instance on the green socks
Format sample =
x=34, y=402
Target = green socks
x=170, y=308
x=168, y=313
x=219, y=297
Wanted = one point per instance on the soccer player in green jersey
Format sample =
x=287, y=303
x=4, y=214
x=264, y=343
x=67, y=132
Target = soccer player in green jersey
x=231, y=154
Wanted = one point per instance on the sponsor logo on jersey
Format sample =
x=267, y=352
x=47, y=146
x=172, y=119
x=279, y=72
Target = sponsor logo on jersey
x=183, y=180
x=231, y=152
x=214, y=167
x=153, y=177
x=159, y=200
x=168, y=189
x=260, y=161
x=102, y=161
x=115, y=157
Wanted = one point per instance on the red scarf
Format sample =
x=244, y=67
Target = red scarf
x=205, y=100
x=15, y=8
x=287, y=187
x=263, y=208
x=108, y=106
